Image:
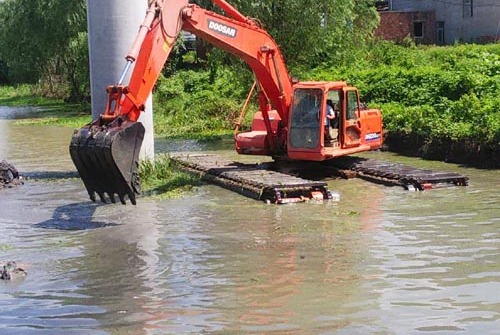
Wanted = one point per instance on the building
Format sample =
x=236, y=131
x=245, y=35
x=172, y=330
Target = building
x=440, y=21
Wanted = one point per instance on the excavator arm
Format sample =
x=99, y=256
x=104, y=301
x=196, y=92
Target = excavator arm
x=106, y=151
x=239, y=36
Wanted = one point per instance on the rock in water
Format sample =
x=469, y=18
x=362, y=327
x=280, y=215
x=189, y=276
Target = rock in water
x=11, y=271
x=9, y=176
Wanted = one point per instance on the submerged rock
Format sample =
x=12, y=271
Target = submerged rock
x=9, y=176
x=11, y=271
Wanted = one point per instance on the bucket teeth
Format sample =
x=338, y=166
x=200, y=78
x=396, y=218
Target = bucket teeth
x=107, y=159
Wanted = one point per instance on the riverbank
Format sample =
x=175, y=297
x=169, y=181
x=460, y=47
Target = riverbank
x=59, y=113
x=440, y=103
x=467, y=152
x=461, y=151
x=22, y=95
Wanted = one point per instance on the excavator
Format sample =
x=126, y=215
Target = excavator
x=290, y=123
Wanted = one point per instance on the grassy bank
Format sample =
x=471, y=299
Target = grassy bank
x=192, y=124
x=159, y=178
x=22, y=95
x=52, y=111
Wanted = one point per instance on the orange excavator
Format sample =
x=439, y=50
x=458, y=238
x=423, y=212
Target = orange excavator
x=292, y=121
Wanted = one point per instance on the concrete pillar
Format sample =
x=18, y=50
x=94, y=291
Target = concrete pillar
x=112, y=27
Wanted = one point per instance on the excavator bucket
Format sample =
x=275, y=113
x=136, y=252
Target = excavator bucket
x=106, y=158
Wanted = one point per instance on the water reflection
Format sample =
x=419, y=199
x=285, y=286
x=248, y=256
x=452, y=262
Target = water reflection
x=7, y=112
x=119, y=266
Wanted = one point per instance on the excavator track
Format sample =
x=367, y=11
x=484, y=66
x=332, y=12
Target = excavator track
x=253, y=180
x=389, y=173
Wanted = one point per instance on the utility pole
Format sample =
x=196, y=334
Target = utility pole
x=112, y=27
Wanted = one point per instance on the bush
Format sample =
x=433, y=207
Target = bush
x=449, y=93
x=190, y=102
x=4, y=73
x=434, y=92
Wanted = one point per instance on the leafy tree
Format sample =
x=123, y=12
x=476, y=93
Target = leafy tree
x=312, y=32
x=4, y=73
x=37, y=39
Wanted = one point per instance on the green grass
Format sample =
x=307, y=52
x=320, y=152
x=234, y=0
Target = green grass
x=173, y=126
x=22, y=95
x=62, y=114
x=161, y=179
x=204, y=116
x=55, y=112
x=69, y=120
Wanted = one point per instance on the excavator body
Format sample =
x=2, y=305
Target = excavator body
x=308, y=136
x=291, y=122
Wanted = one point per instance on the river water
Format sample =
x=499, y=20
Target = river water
x=381, y=260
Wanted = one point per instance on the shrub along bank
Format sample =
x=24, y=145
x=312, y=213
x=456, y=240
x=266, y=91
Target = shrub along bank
x=437, y=102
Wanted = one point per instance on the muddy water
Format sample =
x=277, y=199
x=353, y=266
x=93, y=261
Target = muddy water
x=380, y=261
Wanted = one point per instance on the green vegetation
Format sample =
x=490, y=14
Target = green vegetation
x=159, y=177
x=438, y=102
x=448, y=92
x=200, y=104
x=45, y=42
x=23, y=95
x=54, y=118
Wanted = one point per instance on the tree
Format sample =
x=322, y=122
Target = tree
x=37, y=39
x=311, y=32
x=4, y=73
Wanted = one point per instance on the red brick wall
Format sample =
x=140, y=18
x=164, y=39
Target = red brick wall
x=396, y=26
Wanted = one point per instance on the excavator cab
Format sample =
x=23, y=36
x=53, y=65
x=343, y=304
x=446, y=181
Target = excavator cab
x=312, y=136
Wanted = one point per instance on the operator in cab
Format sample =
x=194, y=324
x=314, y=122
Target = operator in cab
x=330, y=122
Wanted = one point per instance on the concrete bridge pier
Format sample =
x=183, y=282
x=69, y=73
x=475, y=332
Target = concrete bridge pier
x=112, y=27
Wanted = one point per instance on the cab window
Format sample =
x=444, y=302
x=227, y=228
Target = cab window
x=305, y=118
x=334, y=96
x=352, y=105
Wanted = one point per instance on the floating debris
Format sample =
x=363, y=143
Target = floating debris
x=11, y=271
x=9, y=176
